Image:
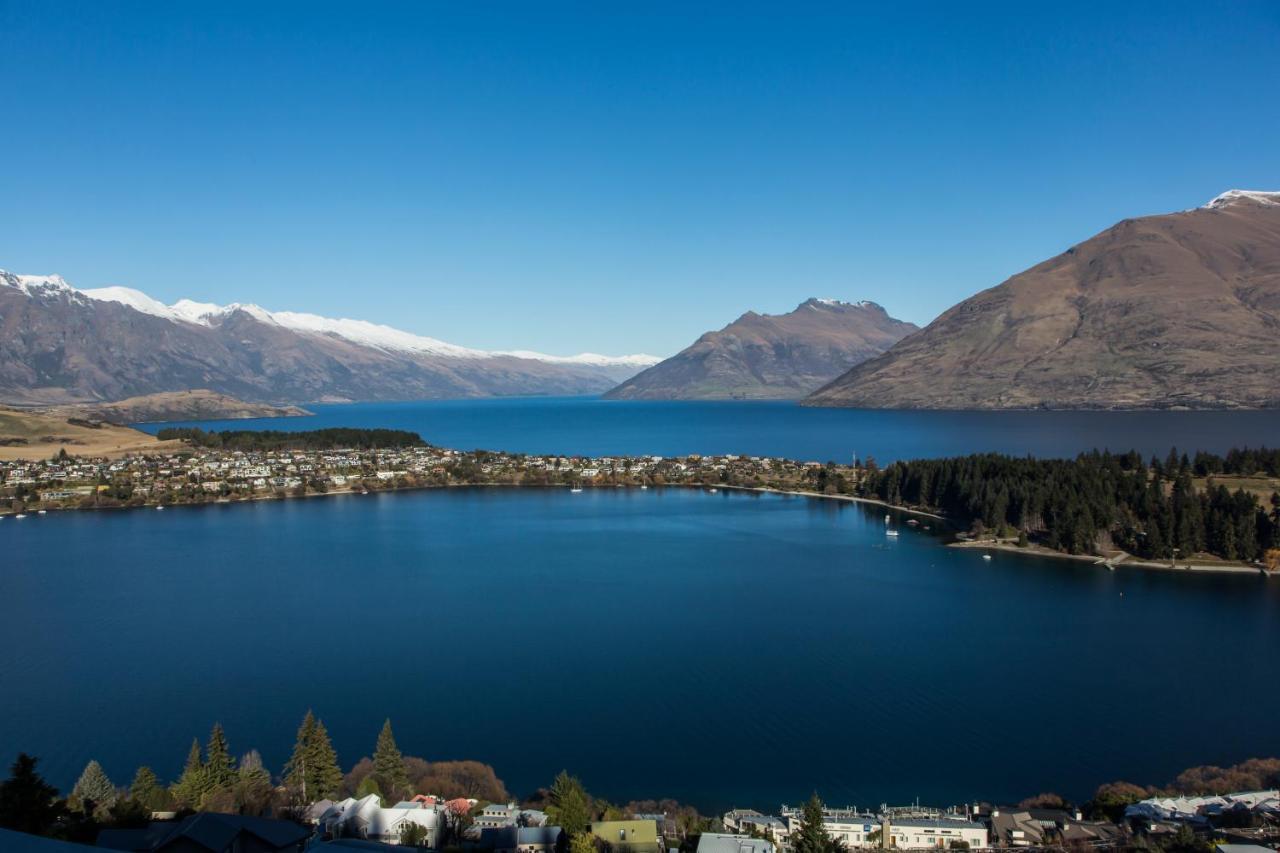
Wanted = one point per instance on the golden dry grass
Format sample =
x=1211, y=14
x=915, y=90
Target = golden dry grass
x=42, y=435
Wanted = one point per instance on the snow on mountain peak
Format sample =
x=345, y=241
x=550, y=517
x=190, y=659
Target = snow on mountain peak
x=837, y=303
x=588, y=358
x=1264, y=197
x=35, y=284
x=360, y=332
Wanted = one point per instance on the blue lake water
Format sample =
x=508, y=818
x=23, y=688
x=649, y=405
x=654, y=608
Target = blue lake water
x=726, y=649
x=591, y=426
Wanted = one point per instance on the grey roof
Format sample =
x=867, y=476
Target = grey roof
x=717, y=842
x=538, y=835
x=935, y=823
x=514, y=836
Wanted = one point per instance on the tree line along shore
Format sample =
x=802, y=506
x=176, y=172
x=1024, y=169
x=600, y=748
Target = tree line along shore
x=1206, y=508
x=213, y=780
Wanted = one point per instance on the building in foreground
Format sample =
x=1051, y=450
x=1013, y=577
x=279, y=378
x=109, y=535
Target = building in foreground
x=367, y=818
x=628, y=836
x=209, y=833
x=718, y=842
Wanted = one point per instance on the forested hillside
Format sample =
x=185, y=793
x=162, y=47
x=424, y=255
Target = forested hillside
x=1098, y=499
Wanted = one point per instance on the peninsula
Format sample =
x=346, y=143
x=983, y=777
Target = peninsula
x=1214, y=512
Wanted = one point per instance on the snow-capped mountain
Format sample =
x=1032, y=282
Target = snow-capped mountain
x=1230, y=197
x=357, y=331
x=63, y=344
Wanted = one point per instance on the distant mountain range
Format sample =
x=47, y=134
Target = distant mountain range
x=62, y=345
x=771, y=356
x=1173, y=311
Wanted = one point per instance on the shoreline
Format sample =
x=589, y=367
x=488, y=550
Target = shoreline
x=1124, y=560
x=1113, y=563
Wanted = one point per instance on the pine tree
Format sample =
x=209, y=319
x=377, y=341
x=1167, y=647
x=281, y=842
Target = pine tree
x=812, y=835
x=146, y=790
x=328, y=775
x=192, y=784
x=27, y=802
x=93, y=791
x=567, y=804
x=313, y=772
x=220, y=767
x=388, y=764
x=297, y=772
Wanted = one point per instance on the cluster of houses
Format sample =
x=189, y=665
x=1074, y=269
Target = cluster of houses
x=904, y=828
x=1246, y=822
x=197, y=474
x=1246, y=818
x=1250, y=817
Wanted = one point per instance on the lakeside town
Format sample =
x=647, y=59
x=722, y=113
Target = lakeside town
x=390, y=800
x=1204, y=513
x=204, y=475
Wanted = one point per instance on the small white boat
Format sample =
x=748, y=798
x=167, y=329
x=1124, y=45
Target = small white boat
x=159, y=506
x=891, y=532
x=643, y=486
x=364, y=491
x=574, y=491
x=42, y=512
x=21, y=515
x=986, y=556
x=886, y=518
x=712, y=491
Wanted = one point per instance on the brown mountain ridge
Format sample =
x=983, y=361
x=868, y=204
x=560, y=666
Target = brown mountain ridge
x=771, y=356
x=1161, y=312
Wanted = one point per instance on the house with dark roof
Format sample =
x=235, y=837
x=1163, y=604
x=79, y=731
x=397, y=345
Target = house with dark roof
x=209, y=833
x=519, y=839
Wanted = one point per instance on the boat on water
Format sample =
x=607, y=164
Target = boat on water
x=21, y=515
x=160, y=506
x=643, y=486
x=886, y=518
x=712, y=491
x=986, y=556
x=891, y=532
x=912, y=522
x=574, y=491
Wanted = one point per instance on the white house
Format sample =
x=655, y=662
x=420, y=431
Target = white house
x=925, y=833
x=495, y=815
x=366, y=818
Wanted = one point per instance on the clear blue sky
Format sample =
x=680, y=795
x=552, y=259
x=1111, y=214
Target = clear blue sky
x=576, y=177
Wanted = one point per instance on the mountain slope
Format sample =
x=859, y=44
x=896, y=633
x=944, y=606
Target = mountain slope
x=59, y=345
x=782, y=356
x=1173, y=311
x=195, y=405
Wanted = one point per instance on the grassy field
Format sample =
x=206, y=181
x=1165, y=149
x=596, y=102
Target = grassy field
x=1262, y=487
x=35, y=435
